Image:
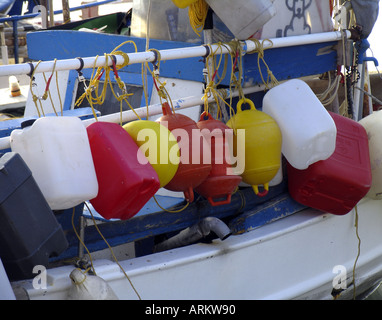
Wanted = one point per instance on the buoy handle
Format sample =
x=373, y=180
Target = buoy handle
x=166, y=109
x=205, y=114
x=189, y=194
x=261, y=194
x=221, y=202
x=247, y=101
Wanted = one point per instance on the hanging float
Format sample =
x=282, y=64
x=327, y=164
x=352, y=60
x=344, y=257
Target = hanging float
x=158, y=145
x=262, y=145
x=125, y=183
x=222, y=181
x=193, y=170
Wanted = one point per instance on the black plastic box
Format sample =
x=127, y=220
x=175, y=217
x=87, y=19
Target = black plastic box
x=29, y=231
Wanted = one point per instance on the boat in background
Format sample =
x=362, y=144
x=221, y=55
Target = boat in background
x=266, y=246
x=6, y=6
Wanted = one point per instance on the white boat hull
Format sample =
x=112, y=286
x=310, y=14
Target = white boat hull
x=297, y=257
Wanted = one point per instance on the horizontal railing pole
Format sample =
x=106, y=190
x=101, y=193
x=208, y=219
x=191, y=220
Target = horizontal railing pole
x=169, y=54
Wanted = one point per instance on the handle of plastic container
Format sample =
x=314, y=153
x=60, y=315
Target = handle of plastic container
x=261, y=194
x=205, y=114
x=245, y=100
x=189, y=194
x=166, y=109
x=219, y=203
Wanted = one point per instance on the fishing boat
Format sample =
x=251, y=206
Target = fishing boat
x=305, y=231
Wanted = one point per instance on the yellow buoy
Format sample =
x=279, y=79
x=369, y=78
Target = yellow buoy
x=262, y=145
x=159, y=146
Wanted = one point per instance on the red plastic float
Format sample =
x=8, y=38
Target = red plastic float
x=192, y=170
x=337, y=184
x=125, y=185
x=221, y=182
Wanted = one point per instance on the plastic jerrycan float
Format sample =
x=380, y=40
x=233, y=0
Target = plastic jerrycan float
x=262, y=145
x=337, y=184
x=159, y=146
x=373, y=126
x=222, y=181
x=126, y=182
x=308, y=131
x=57, y=151
x=192, y=170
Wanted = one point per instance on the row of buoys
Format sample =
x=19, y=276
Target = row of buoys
x=117, y=170
x=120, y=168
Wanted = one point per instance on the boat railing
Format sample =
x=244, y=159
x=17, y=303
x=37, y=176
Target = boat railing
x=167, y=54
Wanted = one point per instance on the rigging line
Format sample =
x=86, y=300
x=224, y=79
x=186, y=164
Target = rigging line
x=358, y=251
x=370, y=95
x=112, y=252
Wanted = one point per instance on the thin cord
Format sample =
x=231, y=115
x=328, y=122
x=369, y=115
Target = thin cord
x=112, y=252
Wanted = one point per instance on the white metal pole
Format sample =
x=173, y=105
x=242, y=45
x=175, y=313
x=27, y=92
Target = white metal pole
x=170, y=54
x=155, y=109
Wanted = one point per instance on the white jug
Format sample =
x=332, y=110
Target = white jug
x=308, y=131
x=89, y=287
x=57, y=151
x=373, y=127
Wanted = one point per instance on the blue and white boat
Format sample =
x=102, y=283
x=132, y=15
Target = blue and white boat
x=270, y=247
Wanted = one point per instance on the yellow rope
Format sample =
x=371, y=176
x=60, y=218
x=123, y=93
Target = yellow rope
x=35, y=97
x=358, y=250
x=171, y=211
x=159, y=85
x=112, y=253
x=212, y=74
x=82, y=243
x=260, y=56
x=197, y=13
x=92, y=91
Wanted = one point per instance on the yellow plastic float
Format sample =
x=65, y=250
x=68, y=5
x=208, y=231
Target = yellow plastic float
x=262, y=145
x=158, y=144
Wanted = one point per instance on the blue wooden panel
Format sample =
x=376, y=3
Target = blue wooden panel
x=287, y=63
x=273, y=210
x=291, y=62
x=67, y=44
x=144, y=226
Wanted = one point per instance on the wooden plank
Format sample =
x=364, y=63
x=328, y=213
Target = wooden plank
x=273, y=210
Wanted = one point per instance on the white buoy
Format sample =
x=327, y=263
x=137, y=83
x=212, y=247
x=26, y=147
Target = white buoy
x=89, y=287
x=14, y=86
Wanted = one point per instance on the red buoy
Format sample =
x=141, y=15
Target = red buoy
x=192, y=170
x=221, y=182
